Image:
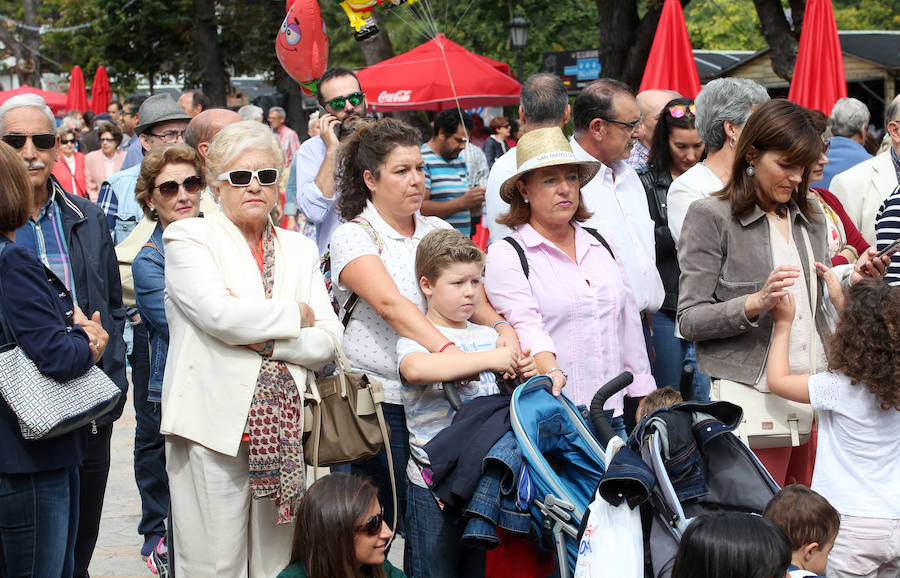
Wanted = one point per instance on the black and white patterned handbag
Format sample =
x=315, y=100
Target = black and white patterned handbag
x=45, y=407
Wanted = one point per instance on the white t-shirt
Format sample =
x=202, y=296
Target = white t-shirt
x=698, y=182
x=427, y=411
x=857, y=466
x=369, y=342
x=503, y=168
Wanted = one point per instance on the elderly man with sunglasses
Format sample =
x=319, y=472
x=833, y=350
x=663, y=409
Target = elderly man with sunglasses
x=69, y=235
x=312, y=185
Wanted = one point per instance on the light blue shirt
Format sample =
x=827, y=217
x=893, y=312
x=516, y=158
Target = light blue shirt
x=304, y=194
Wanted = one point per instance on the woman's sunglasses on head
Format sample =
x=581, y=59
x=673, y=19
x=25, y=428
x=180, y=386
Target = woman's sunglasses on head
x=190, y=184
x=679, y=110
x=242, y=177
x=43, y=141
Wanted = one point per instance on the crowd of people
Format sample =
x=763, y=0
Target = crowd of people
x=665, y=233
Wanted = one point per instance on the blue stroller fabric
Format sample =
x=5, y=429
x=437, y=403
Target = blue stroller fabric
x=565, y=464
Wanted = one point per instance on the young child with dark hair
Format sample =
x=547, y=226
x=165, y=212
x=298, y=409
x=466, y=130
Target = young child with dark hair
x=857, y=399
x=449, y=267
x=811, y=525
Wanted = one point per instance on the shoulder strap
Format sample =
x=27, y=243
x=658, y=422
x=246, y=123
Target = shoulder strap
x=813, y=293
x=350, y=305
x=7, y=330
x=521, y=253
x=596, y=234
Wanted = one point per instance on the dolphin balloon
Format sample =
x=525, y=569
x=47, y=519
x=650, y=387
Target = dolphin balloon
x=302, y=44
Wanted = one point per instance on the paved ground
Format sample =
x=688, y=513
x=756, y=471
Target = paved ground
x=118, y=547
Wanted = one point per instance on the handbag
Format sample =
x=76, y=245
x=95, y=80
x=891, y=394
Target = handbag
x=770, y=421
x=343, y=421
x=44, y=407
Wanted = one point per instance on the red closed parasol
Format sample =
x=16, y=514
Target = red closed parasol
x=819, y=72
x=437, y=75
x=671, y=65
x=100, y=91
x=76, y=99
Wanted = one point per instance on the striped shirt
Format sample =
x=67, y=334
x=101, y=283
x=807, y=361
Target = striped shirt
x=45, y=238
x=887, y=230
x=447, y=180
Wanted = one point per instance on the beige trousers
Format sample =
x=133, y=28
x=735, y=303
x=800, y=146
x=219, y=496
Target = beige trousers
x=217, y=529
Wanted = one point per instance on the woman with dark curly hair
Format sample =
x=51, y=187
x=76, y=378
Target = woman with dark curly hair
x=858, y=400
x=341, y=531
x=373, y=257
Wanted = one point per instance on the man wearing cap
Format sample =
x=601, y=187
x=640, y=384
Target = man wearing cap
x=162, y=123
x=69, y=235
x=606, y=116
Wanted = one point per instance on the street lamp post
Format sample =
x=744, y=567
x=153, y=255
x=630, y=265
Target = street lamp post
x=518, y=33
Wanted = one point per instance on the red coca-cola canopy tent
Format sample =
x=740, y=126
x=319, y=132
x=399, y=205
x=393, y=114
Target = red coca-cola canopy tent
x=55, y=100
x=671, y=65
x=437, y=75
x=819, y=72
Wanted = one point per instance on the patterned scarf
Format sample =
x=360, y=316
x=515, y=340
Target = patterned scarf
x=277, y=470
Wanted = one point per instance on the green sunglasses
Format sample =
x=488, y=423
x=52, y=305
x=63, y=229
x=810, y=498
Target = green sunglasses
x=339, y=102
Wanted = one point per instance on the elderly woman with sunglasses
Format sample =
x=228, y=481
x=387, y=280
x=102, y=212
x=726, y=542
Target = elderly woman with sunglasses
x=723, y=107
x=69, y=166
x=248, y=317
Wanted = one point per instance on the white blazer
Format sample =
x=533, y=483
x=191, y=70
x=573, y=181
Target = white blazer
x=215, y=305
x=862, y=189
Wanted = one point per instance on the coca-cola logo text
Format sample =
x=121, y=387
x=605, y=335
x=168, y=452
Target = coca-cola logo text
x=399, y=96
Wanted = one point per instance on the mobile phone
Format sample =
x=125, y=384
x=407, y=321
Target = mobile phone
x=890, y=249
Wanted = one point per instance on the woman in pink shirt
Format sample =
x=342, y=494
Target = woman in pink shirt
x=106, y=161
x=559, y=284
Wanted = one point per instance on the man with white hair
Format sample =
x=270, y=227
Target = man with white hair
x=287, y=138
x=848, y=121
x=863, y=188
x=69, y=235
x=251, y=112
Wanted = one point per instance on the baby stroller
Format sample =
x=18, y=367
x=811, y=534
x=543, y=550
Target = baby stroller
x=564, y=461
x=699, y=466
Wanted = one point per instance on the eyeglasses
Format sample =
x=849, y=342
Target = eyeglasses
x=106, y=139
x=67, y=141
x=339, y=102
x=372, y=526
x=242, y=177
x=170, y=136
x=190, y=184
x=629, y=125
x=43, y=141
x=679, y=110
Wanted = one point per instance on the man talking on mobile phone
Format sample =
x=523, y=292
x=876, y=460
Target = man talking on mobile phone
x=312, y=188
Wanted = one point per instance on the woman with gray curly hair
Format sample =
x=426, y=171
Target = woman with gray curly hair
x=723, y=106
x=248, y=317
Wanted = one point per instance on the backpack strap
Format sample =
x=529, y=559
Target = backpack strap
x=596, y=234
x=521, y=252
x=350, y=305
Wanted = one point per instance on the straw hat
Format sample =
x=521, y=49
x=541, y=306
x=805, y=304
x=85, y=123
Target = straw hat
x=545, y=147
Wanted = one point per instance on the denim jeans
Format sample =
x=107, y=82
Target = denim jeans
x=377, y=470
x=149, y=444
x=672, y=353
x=38, y=523
x=435, y=540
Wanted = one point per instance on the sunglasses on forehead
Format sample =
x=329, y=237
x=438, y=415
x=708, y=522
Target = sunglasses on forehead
x=242, y=177
x=339, y=102
x=372, y=526
x=43, y=141
x=190, y=184
x=679, y=110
